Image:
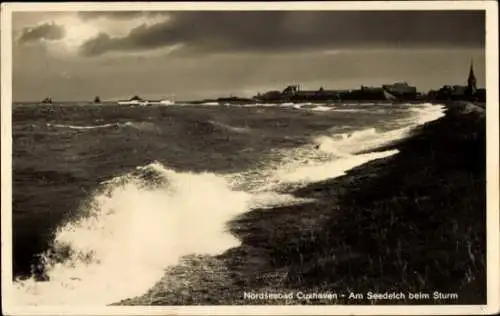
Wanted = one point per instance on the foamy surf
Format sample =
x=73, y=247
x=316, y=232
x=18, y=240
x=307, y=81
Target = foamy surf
x=330, y=169
x=83, y=127
x=427, y=112
x=143, y=222
x=134, y=228
x=321, y=108
x=143, y=126
x=346, y=144
x=333, y=155
x=231, y=128
x=131, y=232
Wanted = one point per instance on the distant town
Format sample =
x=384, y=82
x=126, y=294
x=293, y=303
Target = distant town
x=399, y=91
x=395, y=92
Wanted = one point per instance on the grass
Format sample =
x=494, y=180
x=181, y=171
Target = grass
x=414, y=222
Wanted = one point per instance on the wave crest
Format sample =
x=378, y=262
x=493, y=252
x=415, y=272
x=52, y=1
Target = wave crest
x=83, y=127
x=140, y=223
x=130, y=232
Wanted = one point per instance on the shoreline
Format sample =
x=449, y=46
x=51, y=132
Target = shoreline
x=413, y=223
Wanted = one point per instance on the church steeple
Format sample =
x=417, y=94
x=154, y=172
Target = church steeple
x=471, y=80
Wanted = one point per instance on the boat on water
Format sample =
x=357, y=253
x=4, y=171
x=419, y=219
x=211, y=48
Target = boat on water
x=136, y=100
x=97, y=99
x=47, y=100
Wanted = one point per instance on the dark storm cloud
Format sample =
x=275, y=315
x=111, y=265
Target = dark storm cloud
x=46, y=31
x=275, y=31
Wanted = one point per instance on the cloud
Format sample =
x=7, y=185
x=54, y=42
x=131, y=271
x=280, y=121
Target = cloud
x=46, y=31
x=278, y=31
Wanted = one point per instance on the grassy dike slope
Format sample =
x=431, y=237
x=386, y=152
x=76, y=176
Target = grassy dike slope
x=413, y=222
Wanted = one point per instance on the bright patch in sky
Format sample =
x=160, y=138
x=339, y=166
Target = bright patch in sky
x=76, y=33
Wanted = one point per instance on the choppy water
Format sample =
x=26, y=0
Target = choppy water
x=105, y=197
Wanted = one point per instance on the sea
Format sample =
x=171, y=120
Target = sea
x=106, y=196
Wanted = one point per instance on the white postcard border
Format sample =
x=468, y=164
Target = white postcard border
x=492, y=120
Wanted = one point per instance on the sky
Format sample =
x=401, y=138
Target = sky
x=187, y=55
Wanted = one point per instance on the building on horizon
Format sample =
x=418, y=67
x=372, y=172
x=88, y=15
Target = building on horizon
x=471, y=81
x=468, y=92
x=401, y=90
x=292, y=93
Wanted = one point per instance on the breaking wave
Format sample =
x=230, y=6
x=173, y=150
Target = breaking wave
x=138, y=224
x=135, y=227
x=83, y=127
x=358, y=141
x=330, y=169
x=371, y=138
x=143, y=126
x=427, y=112
x=331, y=156
x=210, y=103
x=320, y=107
x=230, y=128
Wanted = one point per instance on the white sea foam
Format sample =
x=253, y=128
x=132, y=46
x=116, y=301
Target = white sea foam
x=83, y=127
x=358, y=141
x=370, y=138
x=331, y=155
x=299, y=106
x=231, y=128
x=328, y=170
x=339, y=153
x=321, y=108
x=147, y=220
x=133, y=231
x=143, y=126
x=352, y=110
x=307, y=106
x=427, y=112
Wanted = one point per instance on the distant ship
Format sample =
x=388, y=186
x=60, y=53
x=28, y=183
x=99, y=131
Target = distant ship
x=97, y=99
x=47, y=100
x=135, y=100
